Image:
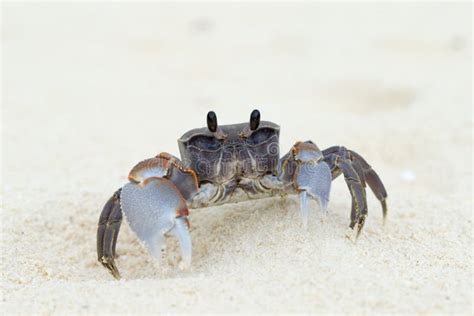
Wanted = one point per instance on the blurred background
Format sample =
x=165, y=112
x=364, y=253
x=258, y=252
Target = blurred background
x=89, y=89
x=334, y=73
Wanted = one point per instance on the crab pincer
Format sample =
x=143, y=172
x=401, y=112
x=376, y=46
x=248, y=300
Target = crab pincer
x=305, y=168
x=153, y=209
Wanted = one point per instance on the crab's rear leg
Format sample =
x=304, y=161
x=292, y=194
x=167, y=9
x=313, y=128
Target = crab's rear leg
x=366, y=174
x=373, y=180
x=357, y=190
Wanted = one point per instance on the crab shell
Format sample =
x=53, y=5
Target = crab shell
x=232, y=152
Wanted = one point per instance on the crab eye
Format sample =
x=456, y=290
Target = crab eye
x=212, y=121
x=205, y=142
x=260, y=136
x=254, y=119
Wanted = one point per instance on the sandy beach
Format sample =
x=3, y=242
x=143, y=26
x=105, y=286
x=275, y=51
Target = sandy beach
x=91, y=89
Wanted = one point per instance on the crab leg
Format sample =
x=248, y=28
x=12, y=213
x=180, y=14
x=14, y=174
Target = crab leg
x=374, y=182
x=364, y=171
x=357, y=190
x=109, y=227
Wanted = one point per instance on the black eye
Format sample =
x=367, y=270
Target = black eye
x=205, y=142
x=260, y=136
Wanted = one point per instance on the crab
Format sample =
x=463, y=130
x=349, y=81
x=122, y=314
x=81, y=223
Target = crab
x=223, y=164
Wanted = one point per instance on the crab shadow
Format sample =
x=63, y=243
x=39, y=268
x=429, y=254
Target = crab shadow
x=219, y=234
x=249, y=232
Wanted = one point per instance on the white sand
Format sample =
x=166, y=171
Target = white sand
x=90, y=90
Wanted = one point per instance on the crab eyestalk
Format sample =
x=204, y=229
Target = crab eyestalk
x=212, y=121
x=254, y=119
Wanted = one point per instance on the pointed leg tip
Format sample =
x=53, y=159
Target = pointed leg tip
x=360, y=225
x=117, y=276
x=384, y=210
x=110, y=265
x=351, y=235
x=113, y=269
x=354, y=231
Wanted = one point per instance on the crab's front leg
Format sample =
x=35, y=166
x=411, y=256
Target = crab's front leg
x=305, y=170
x=154, y=205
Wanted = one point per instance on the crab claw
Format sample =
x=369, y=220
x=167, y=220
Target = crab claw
x=311, y=176
x=154, y=208
x=314, y=178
